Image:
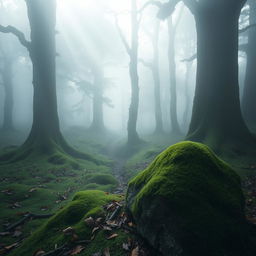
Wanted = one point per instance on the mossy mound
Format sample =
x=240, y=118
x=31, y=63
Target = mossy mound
x=84, y=204
x=189, y=202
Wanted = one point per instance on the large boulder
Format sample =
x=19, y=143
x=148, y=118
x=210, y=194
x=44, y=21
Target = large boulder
x=189, y=202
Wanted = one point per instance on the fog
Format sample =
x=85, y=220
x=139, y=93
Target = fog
x=86, y=34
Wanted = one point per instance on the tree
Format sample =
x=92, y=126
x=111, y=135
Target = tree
x=154, y=67
x=7, y=82
x=45, y=136
x=172, y=28
x=249, y=93
x=132, y=51
x=216, y=118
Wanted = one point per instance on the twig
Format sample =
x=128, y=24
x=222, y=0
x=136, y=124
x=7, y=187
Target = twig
x=25, y=218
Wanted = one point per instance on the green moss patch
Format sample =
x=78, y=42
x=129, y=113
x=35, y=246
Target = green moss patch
x=83, y=205
x=188, y=200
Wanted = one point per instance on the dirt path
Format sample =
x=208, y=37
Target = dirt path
x=118, y=172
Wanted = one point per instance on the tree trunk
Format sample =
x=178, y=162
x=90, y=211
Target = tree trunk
x=133, y=137
x=216, y=118
x=156, y=77
x=186, y=114
x=45, y=129
x=175, y=128
x=8, y=88
x=98, y=121
x=249, y=94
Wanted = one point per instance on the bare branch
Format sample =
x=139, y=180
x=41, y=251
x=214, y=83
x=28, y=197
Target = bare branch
x=149, y=3
x=17, y=33
x=167, y=9
x=191, y=4
x=247, y=28
x=126, y=45
x=146, y=63
x=190, y=59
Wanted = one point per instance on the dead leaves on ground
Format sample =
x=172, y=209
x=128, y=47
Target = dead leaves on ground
x=8, y=248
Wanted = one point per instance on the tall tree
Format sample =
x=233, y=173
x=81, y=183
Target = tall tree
x=154, y=67
x=172, y=28
x=132, y=50
x=6, y=73
x=98, y=100
x=216, y=118
x=249, y=94
x=45, y=136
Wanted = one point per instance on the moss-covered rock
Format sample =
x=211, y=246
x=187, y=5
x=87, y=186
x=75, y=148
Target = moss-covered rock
x=84, y=204
x=189, y=202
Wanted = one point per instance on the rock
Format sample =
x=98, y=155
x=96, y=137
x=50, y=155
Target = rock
x=189, y=202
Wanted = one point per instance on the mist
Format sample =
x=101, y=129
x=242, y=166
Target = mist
x=127, y=127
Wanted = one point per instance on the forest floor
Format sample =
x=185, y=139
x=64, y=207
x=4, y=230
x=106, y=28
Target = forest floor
x=41, y=188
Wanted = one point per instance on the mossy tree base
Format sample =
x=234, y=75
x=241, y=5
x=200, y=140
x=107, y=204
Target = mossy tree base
x=51, y=148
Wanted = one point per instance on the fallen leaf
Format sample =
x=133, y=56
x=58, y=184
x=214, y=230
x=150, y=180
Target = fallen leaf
x=39, y=253
x=112, y=224
x=17, y=233
x=112, y=236
x=89, y=221
x=107, y=228
x=15, y=205
x=130, y=224
x=77, y=250
x=7, y=192
x=74, y=237
x=106, y=252
x=44, y=208
x=95, y=229
x=125, y=246
x=12, y=246
x=97, y=254
x=135, y=251
x=5, y=233
x=98, y=220
x=68, y=231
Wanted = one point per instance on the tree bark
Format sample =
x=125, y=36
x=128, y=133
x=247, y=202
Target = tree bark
x=133, y=137
x=45, y=129
x=7, y=77
x=175, y=128
x=156, y=77
x=186, y=114
x=45, y=136
x=217, y=118
x=98, y=121
x=249, y=93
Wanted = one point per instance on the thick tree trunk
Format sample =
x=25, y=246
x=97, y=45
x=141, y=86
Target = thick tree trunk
x=156, y=77
x=98, y=121
x=45, y=129
x=249, y=94
x=186, y=114
x=175, y=128
x=217, y=118
x=8, y=89
x=133, y=137
x=45, y=136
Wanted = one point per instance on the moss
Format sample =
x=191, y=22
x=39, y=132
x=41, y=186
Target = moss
x=200, y=191
x=115, y=245
x=102, y=179
x=84, y=204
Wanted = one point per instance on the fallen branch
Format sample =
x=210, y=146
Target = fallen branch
x=56, y=251
x=27, y=217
